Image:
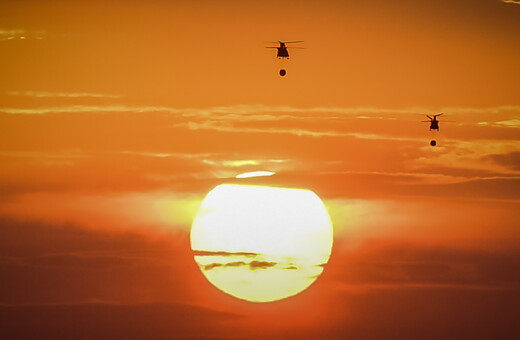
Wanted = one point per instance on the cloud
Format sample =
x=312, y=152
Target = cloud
x=510, y=160
x=225, y=127
x=261, y=265
x=229, y=264
x=38, y=94
x=482, y=110
x=513, y=123
x=402, y=286
x=423, y=313
x=516, y=2
x=99, y=153
x=395, y=264
x=223, y=253
x=212, y=266
x=59, y=263
x=235, y=119
x=179, y=155
x=87, y=170
x=400, y=186
x=21, y=34
x=317, y=122
x=469, y=155
x=137, y=211
x=246, y=111
x=136, y=321
x=422, y=215
x=255, y=174
x=260, y=113
x=91, y=109
x=253, y=265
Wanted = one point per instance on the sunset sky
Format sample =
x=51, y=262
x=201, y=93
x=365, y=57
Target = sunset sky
x=118, y=117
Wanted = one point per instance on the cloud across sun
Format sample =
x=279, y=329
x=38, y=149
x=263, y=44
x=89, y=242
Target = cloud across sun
x=261, y=243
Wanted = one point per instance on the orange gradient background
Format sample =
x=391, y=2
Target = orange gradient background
x=117, y=118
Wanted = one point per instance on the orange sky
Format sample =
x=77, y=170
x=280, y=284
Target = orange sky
x=116, y=118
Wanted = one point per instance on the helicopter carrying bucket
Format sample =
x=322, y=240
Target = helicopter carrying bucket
x=434, y=128
x=282, y=53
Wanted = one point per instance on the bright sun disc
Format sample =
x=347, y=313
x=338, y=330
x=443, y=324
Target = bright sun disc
x=261, y=243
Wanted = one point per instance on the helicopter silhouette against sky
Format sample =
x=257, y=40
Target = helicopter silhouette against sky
x=282, y=49
x=283, y=52
x=434, y=123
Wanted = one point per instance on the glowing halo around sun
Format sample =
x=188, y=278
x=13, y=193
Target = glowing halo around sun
x=261, y=243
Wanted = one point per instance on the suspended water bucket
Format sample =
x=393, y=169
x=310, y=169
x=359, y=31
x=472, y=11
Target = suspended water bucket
x=434, y=137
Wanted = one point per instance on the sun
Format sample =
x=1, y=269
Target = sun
x=261, y=243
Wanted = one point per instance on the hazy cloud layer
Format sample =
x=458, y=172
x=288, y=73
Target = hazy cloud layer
x=156, y=147
x=510, y=160
x=90, y=321
x=77, y=276
x=41, y=94
x=63, y=263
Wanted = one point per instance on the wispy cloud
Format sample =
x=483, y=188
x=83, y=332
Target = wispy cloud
x=225, y=127
x=261, y=264
x=511, y=160
x=255, y=174
x=412, y=178
x=227, y=163
x=43, y=155
x=222, y=253
x=253, y=265
x=91, y=109
x=170, y=154
x=40, y=94
x=406, y=286
x=516, y=2
x=334, y=121
x=245, y=113
x=21, y=34
x=514, y=123
x=480, y=110
x=469, y=155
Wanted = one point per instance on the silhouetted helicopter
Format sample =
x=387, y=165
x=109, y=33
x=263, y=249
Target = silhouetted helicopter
x=434, y=123
x=282, y=49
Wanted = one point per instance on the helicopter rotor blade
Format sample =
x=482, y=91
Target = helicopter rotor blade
x=429, y=117
x=270, y=47
x=439, y=114
x=300, y=48
x=292, y=42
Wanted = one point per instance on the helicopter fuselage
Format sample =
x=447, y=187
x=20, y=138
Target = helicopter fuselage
x=282, y=52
